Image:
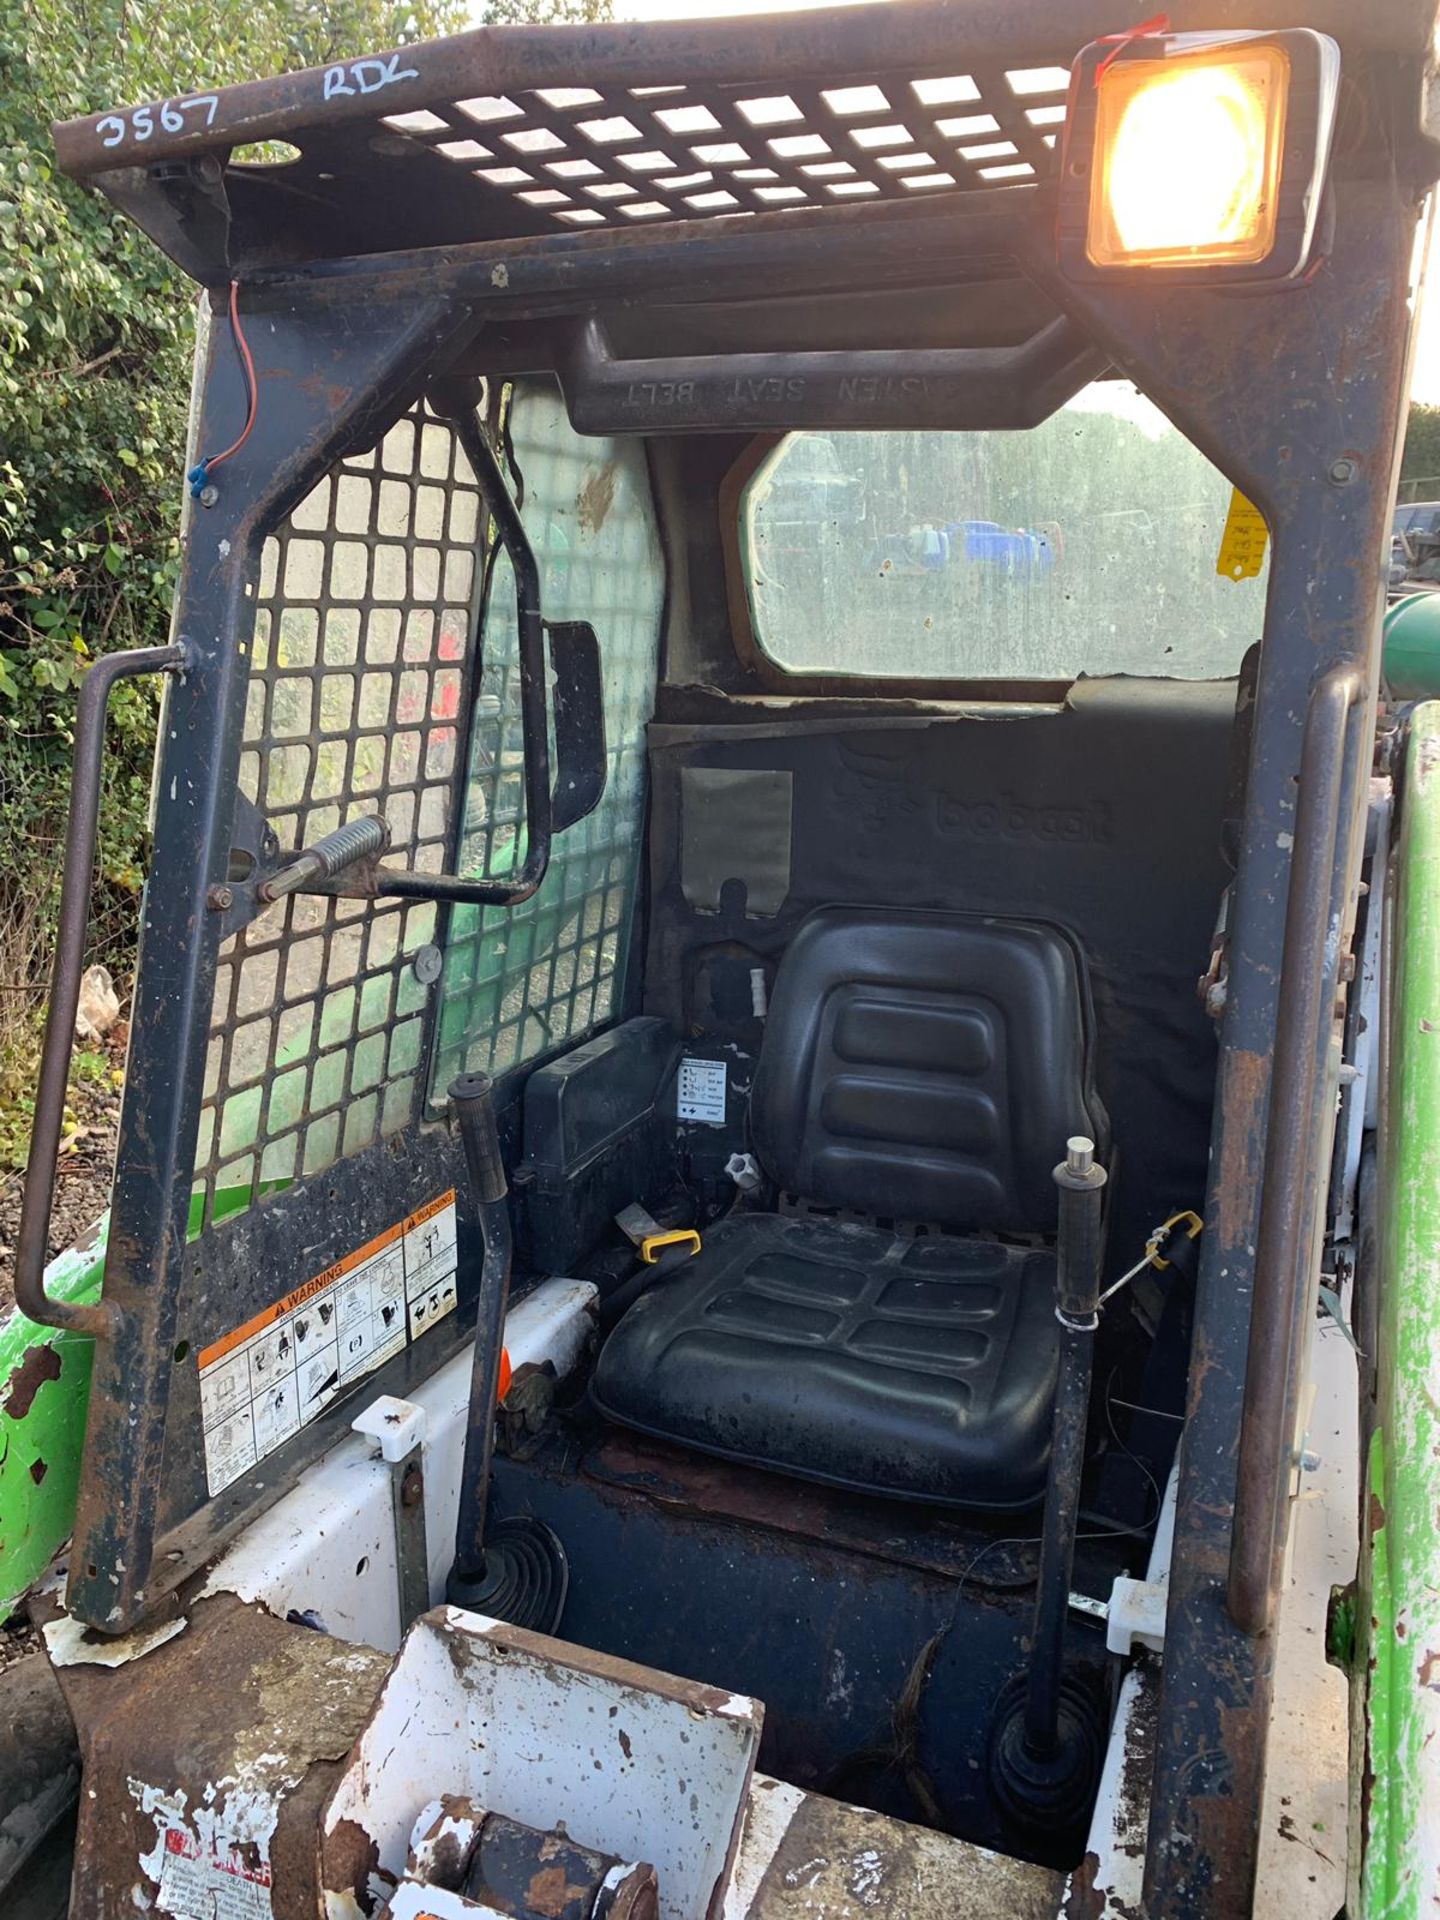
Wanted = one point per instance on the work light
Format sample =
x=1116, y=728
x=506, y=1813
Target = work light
x=1191, y=154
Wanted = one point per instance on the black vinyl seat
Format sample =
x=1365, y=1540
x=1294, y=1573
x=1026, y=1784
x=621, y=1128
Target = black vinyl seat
x=920, y=1068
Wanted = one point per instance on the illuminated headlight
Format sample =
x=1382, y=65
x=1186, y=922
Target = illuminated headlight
x=1189, y=154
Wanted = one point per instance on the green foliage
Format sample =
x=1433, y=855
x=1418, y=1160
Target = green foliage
x=1422, y=444
x=96, y=333
x=545, y=13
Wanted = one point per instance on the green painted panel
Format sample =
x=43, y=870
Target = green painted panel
x=1398, y=1637
x=44, y=1394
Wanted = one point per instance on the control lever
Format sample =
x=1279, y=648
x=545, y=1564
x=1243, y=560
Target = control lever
x=1047, y=1740
x=515, y=1570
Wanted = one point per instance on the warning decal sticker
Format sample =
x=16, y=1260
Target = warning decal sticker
x=212, y=1878
x=262, y=1382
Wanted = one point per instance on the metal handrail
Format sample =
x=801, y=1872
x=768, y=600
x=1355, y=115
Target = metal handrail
x=1281, y=1296
x=81, y=833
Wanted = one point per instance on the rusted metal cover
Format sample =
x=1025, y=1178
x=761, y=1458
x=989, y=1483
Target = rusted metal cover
x=803, y=1857
x=206, y=1762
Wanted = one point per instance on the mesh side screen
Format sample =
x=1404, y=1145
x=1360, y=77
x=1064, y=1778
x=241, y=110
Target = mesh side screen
x=519, y=982
x=357, y=686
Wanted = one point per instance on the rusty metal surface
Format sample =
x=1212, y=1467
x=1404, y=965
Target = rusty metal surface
x=335, y=385
x=504, y=134
x=690, y=1482
x=534, y=1875
x=837, y=1862
x=208, y=1759
x=443, y=1841
x=1334, y=763
x=644, y=1767
x=1316, y=450
x=82, y=830
x=976, y=236
x=931, y=36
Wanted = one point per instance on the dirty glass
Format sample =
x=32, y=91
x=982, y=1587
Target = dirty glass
x=520, y=981
x=1088, y=545
x=356, y=688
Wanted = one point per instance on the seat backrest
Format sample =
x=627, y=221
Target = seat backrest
x=925, y=1067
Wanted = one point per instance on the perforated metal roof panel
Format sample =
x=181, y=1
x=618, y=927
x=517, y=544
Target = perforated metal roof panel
x=516, y=131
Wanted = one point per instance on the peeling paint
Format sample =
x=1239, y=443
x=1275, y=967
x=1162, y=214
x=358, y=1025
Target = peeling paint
x=41, y=1363
x=72, y=1644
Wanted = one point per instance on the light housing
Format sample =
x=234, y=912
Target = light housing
x=1192, y=156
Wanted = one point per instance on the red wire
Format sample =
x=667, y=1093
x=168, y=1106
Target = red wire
x=1157, y=23
x=242, y=347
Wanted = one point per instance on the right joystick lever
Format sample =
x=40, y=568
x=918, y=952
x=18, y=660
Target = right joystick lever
x=1047, y=1740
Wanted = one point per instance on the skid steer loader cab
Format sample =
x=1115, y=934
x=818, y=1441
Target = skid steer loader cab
x=699, y=1315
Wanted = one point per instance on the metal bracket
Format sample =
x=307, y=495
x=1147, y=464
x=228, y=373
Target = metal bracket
x=254, y=856
x=398, y=1429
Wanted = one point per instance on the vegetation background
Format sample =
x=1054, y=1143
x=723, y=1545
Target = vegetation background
x=96, y=338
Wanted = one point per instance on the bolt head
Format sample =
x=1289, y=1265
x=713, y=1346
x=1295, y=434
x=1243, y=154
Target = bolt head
x=208, y=496
x=220, y=899
x=1342, y=472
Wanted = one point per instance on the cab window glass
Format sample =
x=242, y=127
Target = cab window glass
x=522, y=981
x=1087, y=545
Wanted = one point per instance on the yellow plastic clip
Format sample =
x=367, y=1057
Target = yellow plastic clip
x=1161, y=1234
x=654, y=1244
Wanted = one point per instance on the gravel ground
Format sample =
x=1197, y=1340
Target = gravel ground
x=18, y=1639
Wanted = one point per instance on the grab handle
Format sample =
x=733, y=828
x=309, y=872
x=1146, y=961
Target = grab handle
x=81, y=832
x=1328, y=766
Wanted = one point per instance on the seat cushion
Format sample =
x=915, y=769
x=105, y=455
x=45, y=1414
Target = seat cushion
x=914, y=1368
x=926, y=1067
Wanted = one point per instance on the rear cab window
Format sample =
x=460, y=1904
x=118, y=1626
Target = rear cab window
x=1087, y=545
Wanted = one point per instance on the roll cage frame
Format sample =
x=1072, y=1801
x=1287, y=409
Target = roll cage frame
x=1295, y=394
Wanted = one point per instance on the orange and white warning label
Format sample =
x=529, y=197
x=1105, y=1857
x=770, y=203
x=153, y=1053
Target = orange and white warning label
x=262, y=1382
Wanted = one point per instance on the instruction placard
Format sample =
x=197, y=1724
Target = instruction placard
x=700, y=1094
x=262, y=1382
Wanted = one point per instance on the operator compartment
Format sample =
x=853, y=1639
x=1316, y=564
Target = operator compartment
x=721, y=769
x=934, y=857
x=736, y=903
x=905, y=865
x=877, y=949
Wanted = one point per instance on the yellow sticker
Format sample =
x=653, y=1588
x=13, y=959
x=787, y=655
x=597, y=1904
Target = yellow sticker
x=1242, y=544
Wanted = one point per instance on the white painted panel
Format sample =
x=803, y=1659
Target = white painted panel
x=328, y=1547
x=634, y=1762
